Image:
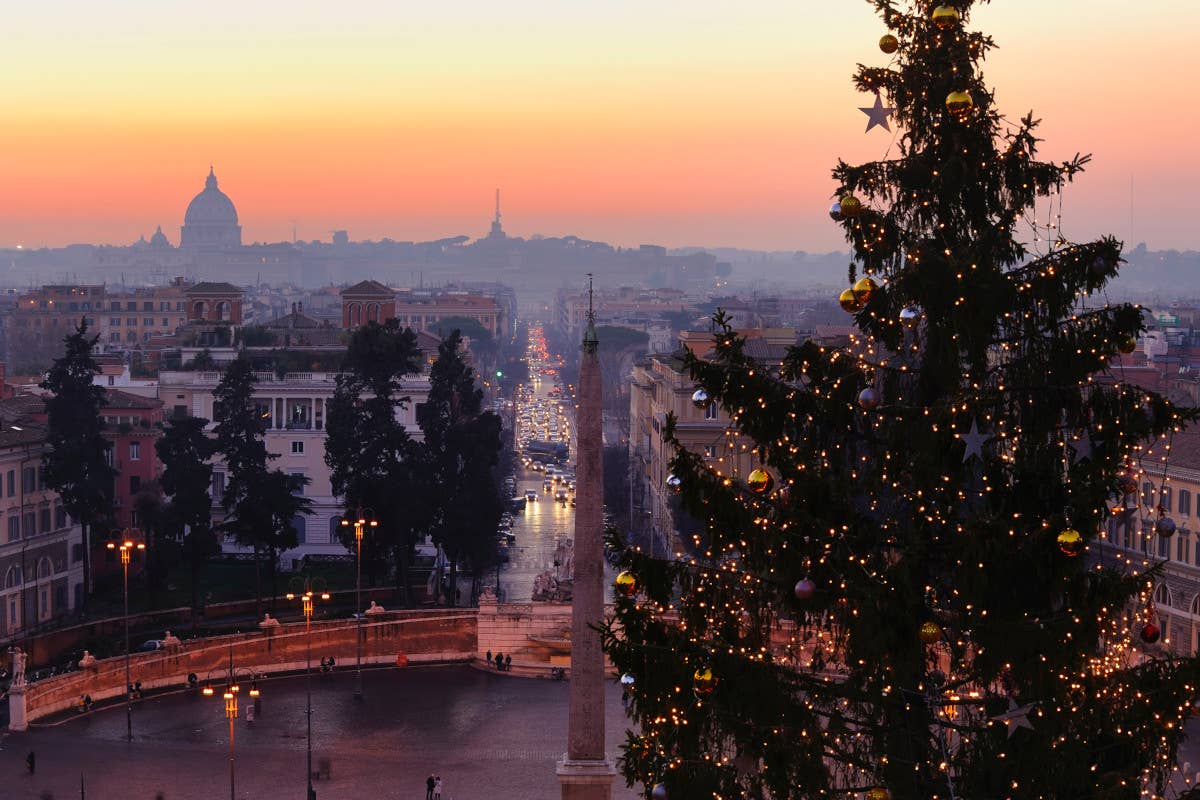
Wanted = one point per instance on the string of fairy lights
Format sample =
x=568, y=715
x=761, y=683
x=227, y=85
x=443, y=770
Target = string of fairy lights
x=771, y=584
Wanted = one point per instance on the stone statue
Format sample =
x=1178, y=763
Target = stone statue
x=268, y=622
x=88, y=661
x=18, y=666
x=564, y=559
x=374, y=608
x=171, y=642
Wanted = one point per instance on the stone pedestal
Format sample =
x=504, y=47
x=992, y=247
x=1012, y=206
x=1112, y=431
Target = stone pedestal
x=17, y=719
x=585, y=780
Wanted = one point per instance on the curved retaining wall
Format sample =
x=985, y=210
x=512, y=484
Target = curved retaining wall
x=423, y=636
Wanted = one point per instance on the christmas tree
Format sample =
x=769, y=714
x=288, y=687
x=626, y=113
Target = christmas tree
x=909, y=598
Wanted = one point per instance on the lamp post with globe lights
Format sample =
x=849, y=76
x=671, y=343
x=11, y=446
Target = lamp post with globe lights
x=309, y=590
x=130, y=545
x=364, y=519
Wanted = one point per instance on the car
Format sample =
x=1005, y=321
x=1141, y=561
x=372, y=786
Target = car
x=561, y=496
x=151, y=645
x=547, y=486
x=530, y=496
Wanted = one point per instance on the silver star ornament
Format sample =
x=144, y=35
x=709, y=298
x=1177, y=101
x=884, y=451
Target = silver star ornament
x=974, y=441
x=1015, y=717
x=878, y=114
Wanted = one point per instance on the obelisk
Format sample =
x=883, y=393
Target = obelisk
x=585, y=773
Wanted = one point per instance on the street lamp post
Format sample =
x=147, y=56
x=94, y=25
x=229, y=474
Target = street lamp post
x=364, y=519
x=231, y=711
x=128, y=545
x=307, y=600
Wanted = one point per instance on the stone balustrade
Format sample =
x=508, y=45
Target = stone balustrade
x=428, y=636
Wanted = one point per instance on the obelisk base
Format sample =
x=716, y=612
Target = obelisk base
x=585, y=780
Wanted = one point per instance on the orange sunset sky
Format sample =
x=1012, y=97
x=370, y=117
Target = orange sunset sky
x=706, y=122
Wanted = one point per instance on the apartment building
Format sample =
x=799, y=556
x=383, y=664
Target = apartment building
x=41, y=548
x=295, y=407
x=123, y=319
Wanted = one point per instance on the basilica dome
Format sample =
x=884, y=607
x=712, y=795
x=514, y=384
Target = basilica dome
x=211, y=205
x=211, y=221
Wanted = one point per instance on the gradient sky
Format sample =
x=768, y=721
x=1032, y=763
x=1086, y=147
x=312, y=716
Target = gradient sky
x=701, y=122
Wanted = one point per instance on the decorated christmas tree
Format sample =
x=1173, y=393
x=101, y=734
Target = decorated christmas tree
x=910, y=597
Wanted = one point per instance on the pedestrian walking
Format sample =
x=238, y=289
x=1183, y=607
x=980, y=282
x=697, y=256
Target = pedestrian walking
x=430, y=783
x=437, y=788
x=499, y=661
x=31, y=762
x=508, y=663
x=489, y=658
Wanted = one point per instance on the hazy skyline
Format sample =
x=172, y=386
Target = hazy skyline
x=701, y=123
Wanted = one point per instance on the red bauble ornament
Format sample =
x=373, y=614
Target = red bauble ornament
x=1149, y=633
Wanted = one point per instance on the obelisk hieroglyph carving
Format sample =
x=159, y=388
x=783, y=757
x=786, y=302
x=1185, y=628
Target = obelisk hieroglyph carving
x=585, y=773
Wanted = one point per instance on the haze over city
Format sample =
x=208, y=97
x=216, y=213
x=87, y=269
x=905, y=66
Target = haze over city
x=599, y=400
x=701, y=123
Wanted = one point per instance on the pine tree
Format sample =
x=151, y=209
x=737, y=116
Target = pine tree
x=185, y=452
x=462, y=446
x=374, y=463
x=910, y=598
x=260, y=503
x=76, y=464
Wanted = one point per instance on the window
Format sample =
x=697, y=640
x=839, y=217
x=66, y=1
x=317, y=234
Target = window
x=148, y=306
x=60, y=517
x=218, y=485
x=114, y=322
x=1183, y=549
x=710, y=411
x=135, y=484
x=76, y=553
x=1164, y=498
x=14, y=527
x=29, y=524
x=710, y=451
x=131, y=306
x=166, y=322
x=300, y=526
x=112, y=380
x=297, y=448
x=131, y=322
x=44, y=520
x=1164, y=548
x=108, y=454
x=28, y=479
x=135, y=451
x=1185, y=503
x=1148, y=494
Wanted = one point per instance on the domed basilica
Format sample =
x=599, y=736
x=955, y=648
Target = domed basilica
x=211, y=221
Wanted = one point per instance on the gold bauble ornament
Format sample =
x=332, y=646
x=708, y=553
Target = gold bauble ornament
x=626, y=584
x=945, y=17
x=889, y=44
x=879, y=793
x=759, y=481
x=930, y=633
x=850, y=206
x=1126, y=345
x=703, y=681
x=1070, y=542
x=863, y=289
x=959, y=103
x=849, y=301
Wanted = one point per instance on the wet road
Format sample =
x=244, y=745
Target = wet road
x=488, y=736
x=538, y=529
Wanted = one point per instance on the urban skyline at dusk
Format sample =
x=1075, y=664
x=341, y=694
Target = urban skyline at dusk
x=699, y=124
